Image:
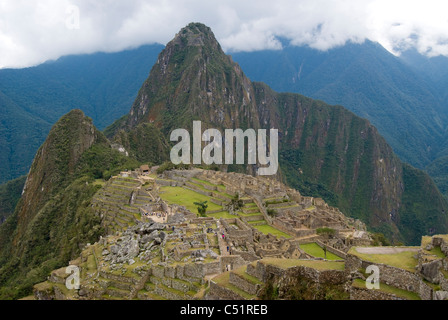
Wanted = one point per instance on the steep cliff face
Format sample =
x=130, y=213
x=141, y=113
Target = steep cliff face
x=194, y=79
x=55, y=162
x=330, y=146
x=325, y=150
x=53, y=220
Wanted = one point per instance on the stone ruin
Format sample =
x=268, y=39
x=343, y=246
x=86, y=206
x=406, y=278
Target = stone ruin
x=182, y=250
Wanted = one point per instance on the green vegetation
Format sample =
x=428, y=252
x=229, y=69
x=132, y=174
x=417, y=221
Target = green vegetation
x=300, y=288
x=56, y=224
x=266, y=229
x=271, y=212
x=269, y=291
x=223, y=280
x=101, y=162
x=369, y=81
x=380, y=240
x=405, y=260
x=222, y=214
x=202, y=208
x=408, y=295
x=10, y=194
x=186, y=197
x=32, y=99
x=316, y=251
x=421, y=208
x=316, y=264
x=325, y=231
x=168, y=165
x=44, y=247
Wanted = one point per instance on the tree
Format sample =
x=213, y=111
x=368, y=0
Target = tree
x=202, y=208
x=235, y=204
x=325, y=232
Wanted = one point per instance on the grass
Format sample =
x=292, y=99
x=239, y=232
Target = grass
x=258, y=221
x=266, y=229
x=250, y=205
x=316, y=251
x=241, y=271
x=186, y=197
x=222, y=214
x=100, y=182
x=445, y=273
x=203, y=182
x=403, y=260
x=437, y=251
x=223, y=280
x=315, y=264
x=258, y=213
x=389, y=289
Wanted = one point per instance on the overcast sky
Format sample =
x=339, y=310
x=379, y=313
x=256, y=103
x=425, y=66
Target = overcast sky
x=33, y=31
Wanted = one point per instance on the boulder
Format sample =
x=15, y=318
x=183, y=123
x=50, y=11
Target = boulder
x=441, y=295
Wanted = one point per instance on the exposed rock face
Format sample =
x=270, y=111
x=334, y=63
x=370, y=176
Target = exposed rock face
x=55, y=162
x=193, y=77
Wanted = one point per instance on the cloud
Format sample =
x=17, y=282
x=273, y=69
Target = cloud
x=33, y=31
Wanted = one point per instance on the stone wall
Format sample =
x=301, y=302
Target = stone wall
x=335, y=251
x=233, y=261
x=168, y=183
x=393, y=276
x=366, y=294
x=287, y=227
x=218, y=292
x=243, y=284
x=243, y=233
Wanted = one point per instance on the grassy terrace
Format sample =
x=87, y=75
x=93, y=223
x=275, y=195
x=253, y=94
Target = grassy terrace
x=266, y=229
x=186, y=197
x=316, y=264
x=222, y=214
x=436, y=250
x=223, y=280
x=199, y=183
x=358, y=283
x=403, y=260
x=203, y=182
x=316, y=251
x=241, y=271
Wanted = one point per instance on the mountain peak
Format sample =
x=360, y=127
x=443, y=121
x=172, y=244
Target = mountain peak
x=194, y=78
x=56, y=161
x=196, y=35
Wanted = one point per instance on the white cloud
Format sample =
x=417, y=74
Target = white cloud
x=32, y=31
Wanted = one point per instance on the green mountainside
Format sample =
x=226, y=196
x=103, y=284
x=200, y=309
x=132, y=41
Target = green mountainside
x=10, y=194
x=399, y=101
x=325, y=151
x=53, y=219
x=103, y=85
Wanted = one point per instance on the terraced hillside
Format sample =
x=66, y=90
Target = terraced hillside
x=156, y=248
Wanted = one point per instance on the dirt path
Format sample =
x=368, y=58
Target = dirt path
x=384, y=250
